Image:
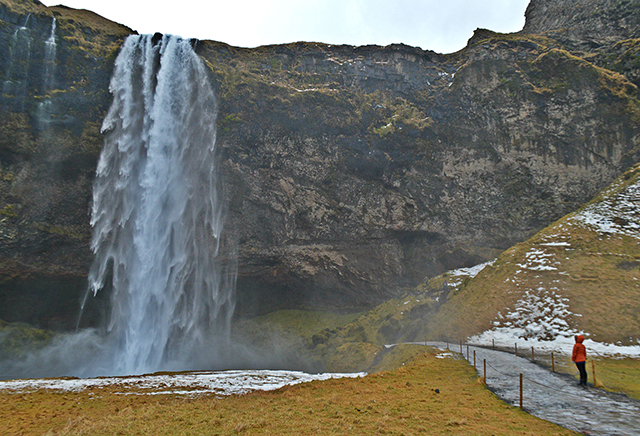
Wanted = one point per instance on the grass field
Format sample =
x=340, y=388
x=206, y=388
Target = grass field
x=428, y=395
x=613, y=374
x=620, y=375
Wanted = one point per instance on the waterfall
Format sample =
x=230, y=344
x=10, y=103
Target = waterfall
x=17, y=74
x=157, y=215
x=50, y=49
x=45, y=108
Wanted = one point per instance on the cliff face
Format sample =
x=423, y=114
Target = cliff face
x=605, y=32
x=351, y=173
x=590, y=23
x=354, y=172
x=54, y=96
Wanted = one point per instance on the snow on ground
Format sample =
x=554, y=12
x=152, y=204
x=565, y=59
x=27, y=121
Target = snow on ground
x=617, y=213
x=541, y=318
x=467, y=272
x=191, y=383
x=538, y=314
x=508, y=337
x=471, y=271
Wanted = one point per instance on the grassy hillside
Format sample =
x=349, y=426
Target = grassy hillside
x=583, y=269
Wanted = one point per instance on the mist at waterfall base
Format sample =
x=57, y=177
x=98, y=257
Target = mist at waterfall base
x=157, y=222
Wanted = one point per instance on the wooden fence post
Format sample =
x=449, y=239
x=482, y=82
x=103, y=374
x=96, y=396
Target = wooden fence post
x=520, y=390
x=516, y=348
x=593, y=368
x=533, y=356
x=474, y=359
x=484, y=378
x=553, y=363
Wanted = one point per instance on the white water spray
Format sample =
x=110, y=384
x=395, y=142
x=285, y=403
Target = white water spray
x=157, y=215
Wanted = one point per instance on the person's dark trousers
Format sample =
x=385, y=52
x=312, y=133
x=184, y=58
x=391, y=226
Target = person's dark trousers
x=583, y=372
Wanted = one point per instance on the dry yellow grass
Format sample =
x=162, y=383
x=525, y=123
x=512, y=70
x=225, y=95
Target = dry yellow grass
x=428, y=396
x=620, y=375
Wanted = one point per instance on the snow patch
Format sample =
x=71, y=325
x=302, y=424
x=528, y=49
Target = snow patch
x=556, y=244
x=444, y=355
x=616, y=214
x=471, y=271
x=193, y=383
x=540, y=314
x=538, y=260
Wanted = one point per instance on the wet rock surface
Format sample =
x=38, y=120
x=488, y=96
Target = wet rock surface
x=351, y=173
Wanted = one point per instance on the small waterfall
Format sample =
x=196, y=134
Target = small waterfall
x=50, y=49
x=45, y=107
x=157, y=217
x=16, y=78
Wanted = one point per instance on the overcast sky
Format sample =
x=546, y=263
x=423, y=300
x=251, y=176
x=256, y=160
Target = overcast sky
x=440, y=25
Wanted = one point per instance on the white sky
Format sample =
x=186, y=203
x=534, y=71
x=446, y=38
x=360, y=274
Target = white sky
x=440, y=25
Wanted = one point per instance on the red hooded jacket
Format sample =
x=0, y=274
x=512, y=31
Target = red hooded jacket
x=579, y=350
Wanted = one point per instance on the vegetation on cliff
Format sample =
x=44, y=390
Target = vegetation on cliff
x=353, y=173
x=427, y=162
x=56, y=64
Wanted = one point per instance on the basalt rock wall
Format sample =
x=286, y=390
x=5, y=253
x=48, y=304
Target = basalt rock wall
x=55, y=93
x=351, y=173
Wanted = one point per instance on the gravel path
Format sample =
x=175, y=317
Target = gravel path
x=555, y=397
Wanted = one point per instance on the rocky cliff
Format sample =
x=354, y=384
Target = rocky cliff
x=55, y=92
x=591, y=24
x=351, y=173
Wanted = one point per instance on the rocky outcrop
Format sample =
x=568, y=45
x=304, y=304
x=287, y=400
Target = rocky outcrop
x=584, y=23
x=606, y=32
x=351, y=173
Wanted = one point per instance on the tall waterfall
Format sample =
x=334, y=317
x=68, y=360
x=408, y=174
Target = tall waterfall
x=157, y=216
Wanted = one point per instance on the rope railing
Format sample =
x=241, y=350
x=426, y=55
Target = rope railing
x=551, y=388
x=522, y=376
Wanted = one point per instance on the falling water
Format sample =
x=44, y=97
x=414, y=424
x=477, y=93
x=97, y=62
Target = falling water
x=45, y=107
x=16, y=78
x=50, y=49
x=157, y=216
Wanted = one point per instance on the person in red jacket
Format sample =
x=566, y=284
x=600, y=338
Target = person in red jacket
x=579, y=357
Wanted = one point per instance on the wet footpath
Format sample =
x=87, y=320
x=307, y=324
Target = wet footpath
x=555, y=397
